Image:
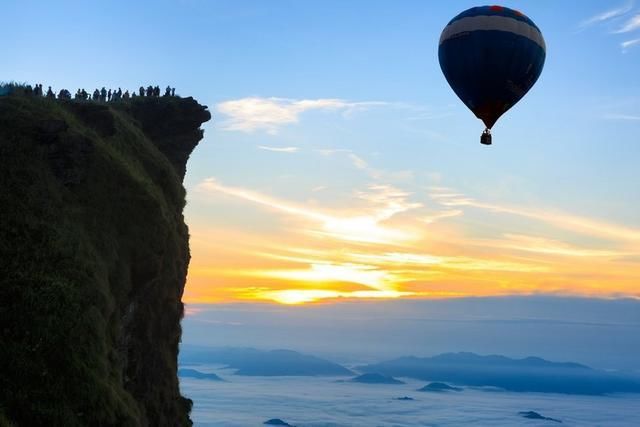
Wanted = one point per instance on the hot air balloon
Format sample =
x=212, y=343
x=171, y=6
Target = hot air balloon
x=491, y=56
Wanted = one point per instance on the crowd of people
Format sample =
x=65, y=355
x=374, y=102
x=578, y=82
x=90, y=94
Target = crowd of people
x=99, y=95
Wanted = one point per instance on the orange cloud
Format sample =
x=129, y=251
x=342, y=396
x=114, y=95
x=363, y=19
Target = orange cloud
x=386, y=244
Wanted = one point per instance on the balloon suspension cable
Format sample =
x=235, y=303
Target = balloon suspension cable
x=485, y=138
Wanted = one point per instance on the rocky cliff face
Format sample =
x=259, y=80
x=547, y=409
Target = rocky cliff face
x=93, y=259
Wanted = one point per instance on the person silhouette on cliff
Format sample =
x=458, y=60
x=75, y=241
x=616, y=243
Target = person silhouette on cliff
x=50, y=93
x=167, y=91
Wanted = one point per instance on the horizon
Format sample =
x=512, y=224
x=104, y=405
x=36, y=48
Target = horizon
x=516, y=327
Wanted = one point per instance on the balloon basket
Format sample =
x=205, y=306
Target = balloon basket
x=485, y=138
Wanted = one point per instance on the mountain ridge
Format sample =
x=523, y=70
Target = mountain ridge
x=254, y=362
x=528, y=374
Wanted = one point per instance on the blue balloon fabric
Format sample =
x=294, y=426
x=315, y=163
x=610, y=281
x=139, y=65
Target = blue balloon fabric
x=491, y=56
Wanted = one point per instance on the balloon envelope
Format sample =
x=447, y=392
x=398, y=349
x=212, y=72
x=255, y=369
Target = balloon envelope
x=491, y=56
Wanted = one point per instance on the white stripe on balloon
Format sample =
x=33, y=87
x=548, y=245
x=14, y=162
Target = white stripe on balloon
x=493, y=23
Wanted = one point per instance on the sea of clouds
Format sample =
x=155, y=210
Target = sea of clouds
x=326, y=402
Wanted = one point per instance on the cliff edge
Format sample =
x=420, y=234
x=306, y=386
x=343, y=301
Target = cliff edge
x=93, y=259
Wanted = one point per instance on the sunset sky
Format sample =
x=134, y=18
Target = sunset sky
x=339, y=163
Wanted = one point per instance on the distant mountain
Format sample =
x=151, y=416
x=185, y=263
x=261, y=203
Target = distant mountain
x=253, y=362
x=375, y=378
x=277, y=422
x=532, y=415
x=439, y=387
x=529, y=374
x=404, y=398
x=192, y=373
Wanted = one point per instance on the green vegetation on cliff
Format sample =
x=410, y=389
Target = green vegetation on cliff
x=93, y=259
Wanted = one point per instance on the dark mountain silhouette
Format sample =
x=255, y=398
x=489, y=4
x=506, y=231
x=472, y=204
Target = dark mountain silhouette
x=439, y=387
x=250, y=361
x=94, y=252
x=404, y=398
x=375, y=378
x=192, y=373
x=532, y=415
x=529, y=374
x=277, y=422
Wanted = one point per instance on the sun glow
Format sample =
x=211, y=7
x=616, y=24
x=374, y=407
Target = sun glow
x=301, y=296
x=385, y=246
x=353, y=273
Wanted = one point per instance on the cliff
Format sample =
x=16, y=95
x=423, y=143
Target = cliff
x=93, y=259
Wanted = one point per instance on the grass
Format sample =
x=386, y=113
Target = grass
x=94, y=254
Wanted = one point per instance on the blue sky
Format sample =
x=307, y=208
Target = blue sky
x=335, y=135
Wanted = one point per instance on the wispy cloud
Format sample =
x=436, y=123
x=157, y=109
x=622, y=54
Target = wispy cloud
x=270, y=114
x=384, y=202
x=558, y=219
x=607, y=15
x=449, y=213
x=544, y=245
x=629, y=43
x=622, y=116
x=190, y=310
x=279, y=149
x=460, y=263
x=299, y=296
x=389, y=242
x=631, y=24
x=331, y=151
x=358, y=161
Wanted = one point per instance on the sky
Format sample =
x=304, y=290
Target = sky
x=339, y=165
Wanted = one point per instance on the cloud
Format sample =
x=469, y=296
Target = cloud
x=190, y=310
x=607, y=15
x=629, y=43
x=546, y=246
x=632, y=24
x=300, y=296
x=270, y=114
x=449, y=213
x=336, y=272
x=460, y=263
x=358, y=162
x=387, y=242
x=628, y=117
x=279, y=149
x=325, y=402
x=365, y=226
x=332, y=151
x=562, y=220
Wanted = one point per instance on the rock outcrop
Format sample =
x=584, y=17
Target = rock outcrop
x=93, y=259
